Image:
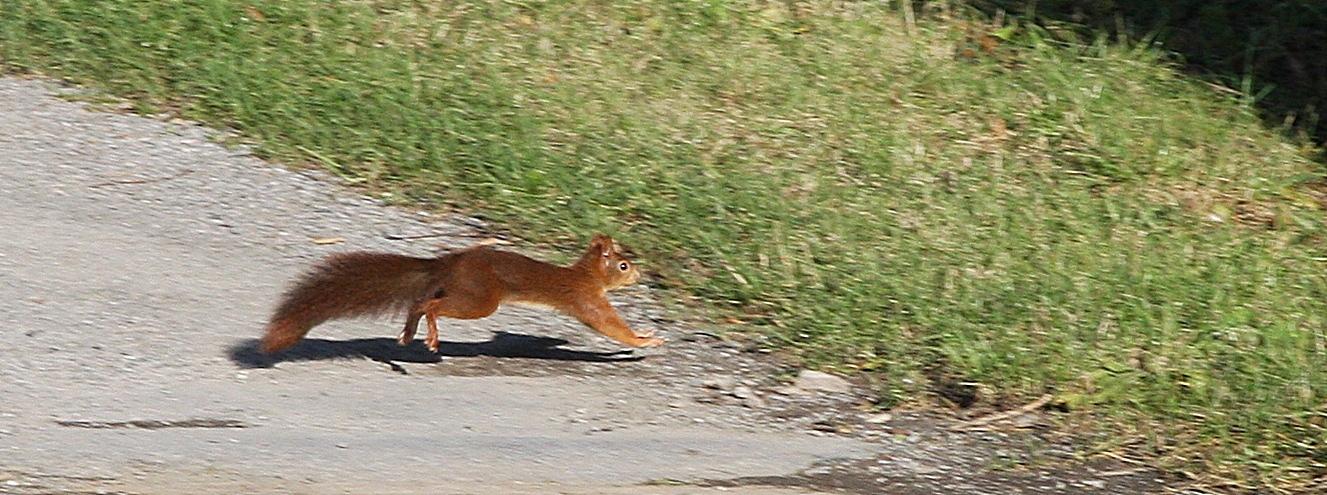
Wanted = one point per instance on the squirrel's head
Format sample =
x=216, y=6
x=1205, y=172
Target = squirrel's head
x=612, y=267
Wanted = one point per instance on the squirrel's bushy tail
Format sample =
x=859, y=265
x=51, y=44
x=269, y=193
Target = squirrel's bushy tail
x=348, y=285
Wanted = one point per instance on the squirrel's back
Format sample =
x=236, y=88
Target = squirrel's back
x=349, y=285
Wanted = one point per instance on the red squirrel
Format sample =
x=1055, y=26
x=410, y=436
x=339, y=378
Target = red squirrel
x=468, y=283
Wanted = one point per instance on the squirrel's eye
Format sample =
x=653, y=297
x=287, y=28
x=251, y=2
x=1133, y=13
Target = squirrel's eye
x=623, y=266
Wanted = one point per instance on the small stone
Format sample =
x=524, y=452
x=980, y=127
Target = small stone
x=743, y=392
x=821, y=382
x=754, y=402
x=1027, y=420
x=881, y=418
x=789, y=390
x=724, y=384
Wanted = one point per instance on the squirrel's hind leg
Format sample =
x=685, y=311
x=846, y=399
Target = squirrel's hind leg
x=457, y=305
x=411, y=326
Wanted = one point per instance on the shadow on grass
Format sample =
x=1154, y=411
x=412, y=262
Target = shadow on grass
x=385, y=350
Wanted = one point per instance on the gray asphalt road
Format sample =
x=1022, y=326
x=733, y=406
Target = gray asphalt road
x=138, y=262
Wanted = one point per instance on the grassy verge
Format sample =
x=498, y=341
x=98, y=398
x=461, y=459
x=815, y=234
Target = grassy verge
x=934, y=207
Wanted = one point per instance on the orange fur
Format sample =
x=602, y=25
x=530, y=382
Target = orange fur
x=466, y=284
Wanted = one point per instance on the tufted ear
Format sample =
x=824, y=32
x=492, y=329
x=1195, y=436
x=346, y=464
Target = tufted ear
x=602, y=244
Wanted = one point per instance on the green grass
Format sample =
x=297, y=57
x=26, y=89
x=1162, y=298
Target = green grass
x=1076, y=218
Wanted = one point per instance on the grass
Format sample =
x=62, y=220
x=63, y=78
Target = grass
x=933, y=204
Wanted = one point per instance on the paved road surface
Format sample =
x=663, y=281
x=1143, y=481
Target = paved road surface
x=138, y=261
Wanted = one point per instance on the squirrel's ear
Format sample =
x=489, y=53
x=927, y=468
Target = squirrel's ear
x=602, y=243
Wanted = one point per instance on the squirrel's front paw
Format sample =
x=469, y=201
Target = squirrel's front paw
x=648, y=340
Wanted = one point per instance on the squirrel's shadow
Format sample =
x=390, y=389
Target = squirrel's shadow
x=385, y=350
